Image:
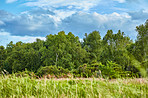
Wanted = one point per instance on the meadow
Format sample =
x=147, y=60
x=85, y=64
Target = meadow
x=26, y=87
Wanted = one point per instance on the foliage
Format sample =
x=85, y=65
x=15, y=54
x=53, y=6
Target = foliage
x=52, y=70
x=26, y=73
x=95, y=69
x=92, y=44
x=82, y=71
x=114, y=56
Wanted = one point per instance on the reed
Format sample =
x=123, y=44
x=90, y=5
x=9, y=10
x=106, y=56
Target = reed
x=25, y=87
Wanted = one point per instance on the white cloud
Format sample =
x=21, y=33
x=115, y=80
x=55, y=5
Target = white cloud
x=139, y=15
x=37, y=22
x=31, y=23
x=41, y=22
x=3, y=33
x=120, y=1
x=1, y=22
x=5, y=38
x=10, y=1
x=81, y=23
x=75, y=4
x=63, y=13
x=5, y=16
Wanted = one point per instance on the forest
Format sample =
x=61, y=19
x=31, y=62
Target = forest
x=113, y=56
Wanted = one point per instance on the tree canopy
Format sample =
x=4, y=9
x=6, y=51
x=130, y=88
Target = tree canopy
x=114, y=54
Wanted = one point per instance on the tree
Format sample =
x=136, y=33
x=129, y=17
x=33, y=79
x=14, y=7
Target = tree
x=142, y=41
x=115, y=49
x=2, y=57
x=15, y=57
x=141, y=46
x=92, y=44
x=107, y=53
x=63, y=50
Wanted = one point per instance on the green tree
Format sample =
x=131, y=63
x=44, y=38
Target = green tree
x=115, y=49
x=2, y=57
x=92, y=44
x=15, y=59
x=63, y=50
x=140, y=48
x=142, y=41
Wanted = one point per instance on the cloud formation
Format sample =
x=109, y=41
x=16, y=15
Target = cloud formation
x=82, y=23
x=120, y=1
x=28, y=23
x=70, y=4
x=139, y=15
x=41, y=22
x=10, y=1
x=6, y=37
x=76, y=16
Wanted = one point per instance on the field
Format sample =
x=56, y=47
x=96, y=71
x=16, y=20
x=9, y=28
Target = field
x=25, y=87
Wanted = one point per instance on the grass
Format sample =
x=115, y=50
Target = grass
x=24, y=87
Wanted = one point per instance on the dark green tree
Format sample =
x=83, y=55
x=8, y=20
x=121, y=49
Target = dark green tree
x=2, y=57
x=92, y=44
x=63, y=50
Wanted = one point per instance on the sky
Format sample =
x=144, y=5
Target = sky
x=26, y=20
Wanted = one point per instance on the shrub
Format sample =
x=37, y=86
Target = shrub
x=47, y=70
x=83, y=71
x=62, y=70
x=52, y=70
x=112, y=70
x=25, y=73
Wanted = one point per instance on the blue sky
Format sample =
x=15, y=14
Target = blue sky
x=26, y=20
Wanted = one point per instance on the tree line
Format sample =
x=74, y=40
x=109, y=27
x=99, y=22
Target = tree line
x=115, y=55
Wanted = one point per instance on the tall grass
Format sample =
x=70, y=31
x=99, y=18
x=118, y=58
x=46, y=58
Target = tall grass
x=24, y=87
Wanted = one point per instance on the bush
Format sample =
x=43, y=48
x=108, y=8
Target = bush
x=95, y=69
x=83, y=71
x=26, y=73
x=62, y=70
x=47, y=70
x=52, y=70
x=112, y=70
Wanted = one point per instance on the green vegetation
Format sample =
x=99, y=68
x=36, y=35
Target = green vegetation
x=25, y=87
x=52, y=70
x=113, y=56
